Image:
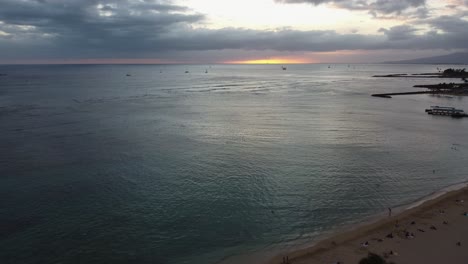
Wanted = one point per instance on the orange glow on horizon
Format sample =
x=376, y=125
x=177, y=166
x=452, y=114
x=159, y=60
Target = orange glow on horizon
x=271, y=61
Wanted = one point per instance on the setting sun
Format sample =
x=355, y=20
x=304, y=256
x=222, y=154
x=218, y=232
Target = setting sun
x=271, y=61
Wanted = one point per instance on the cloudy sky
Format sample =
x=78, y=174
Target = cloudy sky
x=229, y=31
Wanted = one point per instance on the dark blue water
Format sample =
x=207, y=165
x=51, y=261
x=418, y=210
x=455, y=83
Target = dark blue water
x=168, y=167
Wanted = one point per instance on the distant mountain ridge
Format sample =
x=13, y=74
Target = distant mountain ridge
x=454, y=58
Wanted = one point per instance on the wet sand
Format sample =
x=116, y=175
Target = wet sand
x=435, y=228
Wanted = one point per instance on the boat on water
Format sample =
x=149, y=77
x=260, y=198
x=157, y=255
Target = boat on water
x=441, y=108
x=446, y=111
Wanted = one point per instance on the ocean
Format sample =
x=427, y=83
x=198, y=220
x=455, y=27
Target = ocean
x=223, y=164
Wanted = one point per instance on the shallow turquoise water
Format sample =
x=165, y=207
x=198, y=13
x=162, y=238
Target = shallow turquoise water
x=167, y=167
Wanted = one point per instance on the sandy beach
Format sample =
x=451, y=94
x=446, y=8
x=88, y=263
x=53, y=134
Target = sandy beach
x=435, y=231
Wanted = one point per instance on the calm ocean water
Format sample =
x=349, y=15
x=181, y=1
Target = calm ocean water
x=168, y=167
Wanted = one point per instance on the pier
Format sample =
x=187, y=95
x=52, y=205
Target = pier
x=389, y=95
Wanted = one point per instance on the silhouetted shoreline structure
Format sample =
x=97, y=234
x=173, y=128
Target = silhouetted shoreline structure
x=441, y=88
x=448, y=73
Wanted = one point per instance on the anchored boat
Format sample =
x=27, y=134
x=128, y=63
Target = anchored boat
x=446, y=111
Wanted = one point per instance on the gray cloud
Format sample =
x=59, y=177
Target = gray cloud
x=374, y=7
x=402, y=32
x=450, y=24
x=91, y=24
x=35, y=29
x=449, y=33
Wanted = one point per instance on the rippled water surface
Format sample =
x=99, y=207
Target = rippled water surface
x=167, y=167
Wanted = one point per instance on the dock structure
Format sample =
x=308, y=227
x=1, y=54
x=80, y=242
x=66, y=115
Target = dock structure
x=389, y=95
x=446, y=111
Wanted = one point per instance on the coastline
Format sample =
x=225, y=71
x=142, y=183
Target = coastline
x=344, y=246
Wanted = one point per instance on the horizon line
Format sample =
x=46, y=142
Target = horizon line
x=211, y=63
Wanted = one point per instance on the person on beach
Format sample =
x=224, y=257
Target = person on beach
x=409, y=235
x=389, y=212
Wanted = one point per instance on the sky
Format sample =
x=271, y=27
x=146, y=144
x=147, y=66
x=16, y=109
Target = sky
x=229, y=31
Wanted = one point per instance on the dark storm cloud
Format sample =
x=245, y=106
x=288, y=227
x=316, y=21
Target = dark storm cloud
x=374, y=7
x=152, y=29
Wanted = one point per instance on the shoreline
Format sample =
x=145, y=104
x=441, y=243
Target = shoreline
x=346, y=242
